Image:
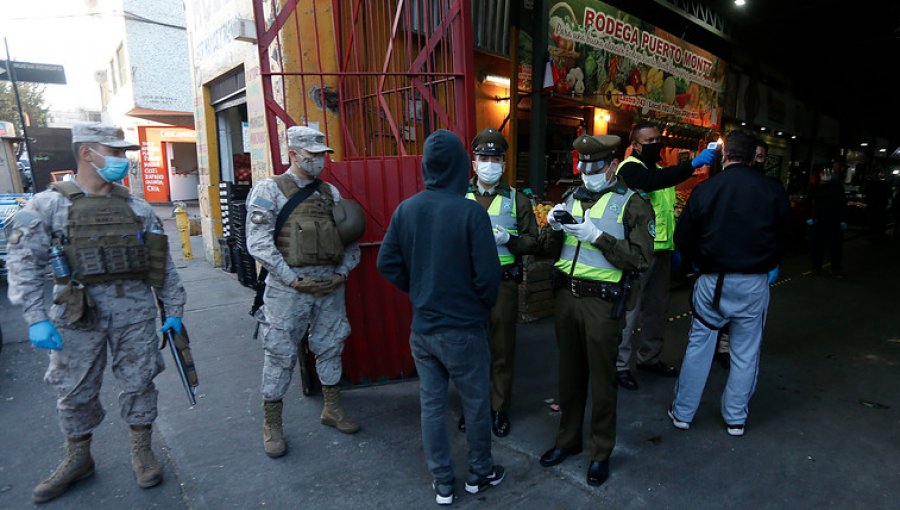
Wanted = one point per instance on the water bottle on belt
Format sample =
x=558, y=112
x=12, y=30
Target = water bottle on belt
x=59, y=262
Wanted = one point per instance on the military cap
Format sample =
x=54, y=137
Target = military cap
x=303, y=137
x=489, y=142
x=597, y=147
x=104, y=134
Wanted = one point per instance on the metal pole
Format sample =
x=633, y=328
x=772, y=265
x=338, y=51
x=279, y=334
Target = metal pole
x=12, y=79
x=537, y=170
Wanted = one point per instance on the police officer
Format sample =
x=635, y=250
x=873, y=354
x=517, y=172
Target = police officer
x=610, y=239
x=308, y=263
x=104, y=265
x=641, y=171
x=516, y=233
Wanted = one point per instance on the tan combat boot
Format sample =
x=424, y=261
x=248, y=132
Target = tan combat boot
x=333, y=413
x=273, y=431
x=147, y=471
x=76, y=465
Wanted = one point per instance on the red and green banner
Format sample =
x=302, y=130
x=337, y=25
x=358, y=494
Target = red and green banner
x=605, y=57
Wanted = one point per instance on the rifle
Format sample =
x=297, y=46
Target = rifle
x=179, y=346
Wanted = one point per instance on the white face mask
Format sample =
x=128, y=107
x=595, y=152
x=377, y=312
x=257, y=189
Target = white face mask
x=489, y=172
x=312, y=165
x=595, y=182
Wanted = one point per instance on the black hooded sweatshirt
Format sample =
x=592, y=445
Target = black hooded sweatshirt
x=439, y=247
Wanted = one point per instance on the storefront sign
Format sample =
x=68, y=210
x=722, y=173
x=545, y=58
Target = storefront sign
x=153, y=166
x=608, y=58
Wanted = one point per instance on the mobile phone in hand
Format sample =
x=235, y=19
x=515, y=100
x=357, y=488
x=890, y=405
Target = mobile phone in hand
x=564, y=217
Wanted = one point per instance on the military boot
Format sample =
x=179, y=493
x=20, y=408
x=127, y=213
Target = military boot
x=273, y=431
x=76, y=465
x=333, y=413
x=147, y=470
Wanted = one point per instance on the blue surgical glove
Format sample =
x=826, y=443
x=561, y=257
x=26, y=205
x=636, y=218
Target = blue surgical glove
x=43, y=335
x=843, y=225
x=810, y=222
x=706, y=157
x=171, y=323
x=773, y=275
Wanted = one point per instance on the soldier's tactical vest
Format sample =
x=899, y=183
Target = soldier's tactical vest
x=310, y=236
x=608, y=215
x=663, y=202
x=502, y=212
x=104, y=236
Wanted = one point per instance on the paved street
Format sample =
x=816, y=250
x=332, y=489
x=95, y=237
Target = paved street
x=817, y=436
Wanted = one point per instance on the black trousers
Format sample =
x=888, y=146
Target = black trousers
x=827, y=236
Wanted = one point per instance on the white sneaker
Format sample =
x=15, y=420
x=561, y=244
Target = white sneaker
x=735, y=430
x=443, y=493
x=683, y=425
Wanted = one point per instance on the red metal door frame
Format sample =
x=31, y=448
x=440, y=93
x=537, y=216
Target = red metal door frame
x=391, y=54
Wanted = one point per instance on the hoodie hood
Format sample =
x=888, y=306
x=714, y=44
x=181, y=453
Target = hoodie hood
x=445, y=163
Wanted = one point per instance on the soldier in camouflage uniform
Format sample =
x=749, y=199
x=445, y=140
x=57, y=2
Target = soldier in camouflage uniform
x=107, y=300
x=307, y=265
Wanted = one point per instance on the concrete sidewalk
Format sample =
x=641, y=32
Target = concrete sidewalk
x=814, y=438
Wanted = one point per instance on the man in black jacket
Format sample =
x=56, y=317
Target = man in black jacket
x=734, y=228
x=828, y=210
x=439, y=248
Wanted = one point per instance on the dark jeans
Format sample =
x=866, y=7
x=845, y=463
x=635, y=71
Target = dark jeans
x=827, y=235
x=462, y=355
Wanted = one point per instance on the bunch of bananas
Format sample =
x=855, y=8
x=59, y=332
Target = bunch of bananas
x=540, y=213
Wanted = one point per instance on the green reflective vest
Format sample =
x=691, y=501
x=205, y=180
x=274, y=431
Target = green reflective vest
x=502, y=212
x=607, y=214
x=663, y=202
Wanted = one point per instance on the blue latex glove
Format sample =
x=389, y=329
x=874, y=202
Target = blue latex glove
x=171, y=323
x=43, y=335
x=810, y=222
x=773, y=275
x=706, y=157
x=843, y=226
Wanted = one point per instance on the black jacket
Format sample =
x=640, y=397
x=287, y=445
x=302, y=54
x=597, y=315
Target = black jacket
x=439, y=246
x=828, y=203
x=649, y=178
x=738, y=221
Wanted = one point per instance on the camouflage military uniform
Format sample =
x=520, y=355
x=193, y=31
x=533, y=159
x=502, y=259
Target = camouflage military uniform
x=125, y=319
x=287, y=313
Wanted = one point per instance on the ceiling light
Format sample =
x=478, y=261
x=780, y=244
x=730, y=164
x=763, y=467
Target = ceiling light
x=740, y=3
x=896, y=172
x=493, y=79
x=762, y=128
x=882, y=150
x=864, y=144
x=780, y=133
x=793, y=137
x=743, y=123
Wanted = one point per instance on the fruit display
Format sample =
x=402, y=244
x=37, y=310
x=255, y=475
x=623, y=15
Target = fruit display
x=681, y=198
x=540, y=213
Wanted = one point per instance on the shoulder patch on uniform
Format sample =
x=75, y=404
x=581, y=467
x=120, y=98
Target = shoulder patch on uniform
x=259, y=218
x=651, y=227
x=263, y=203
x=24, y=218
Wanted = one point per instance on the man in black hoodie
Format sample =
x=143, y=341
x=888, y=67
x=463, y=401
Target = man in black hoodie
x=439, y=248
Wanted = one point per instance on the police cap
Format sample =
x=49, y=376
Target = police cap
x=597, y=147
x=489, y=142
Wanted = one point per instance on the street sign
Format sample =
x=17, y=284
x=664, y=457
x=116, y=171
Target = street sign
x=35, y=73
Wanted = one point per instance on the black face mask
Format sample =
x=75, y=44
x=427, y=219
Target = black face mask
x=650, y=152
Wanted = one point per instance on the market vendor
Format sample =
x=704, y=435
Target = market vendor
x=641, y=171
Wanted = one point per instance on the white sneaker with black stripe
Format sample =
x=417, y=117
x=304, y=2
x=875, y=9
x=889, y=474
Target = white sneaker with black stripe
x=476, y=483
x=683, y=425
x=735, y=430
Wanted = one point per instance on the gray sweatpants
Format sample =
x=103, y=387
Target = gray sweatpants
x=743, y=304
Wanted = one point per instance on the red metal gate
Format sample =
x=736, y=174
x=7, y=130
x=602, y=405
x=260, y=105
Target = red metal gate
x=376, y=76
